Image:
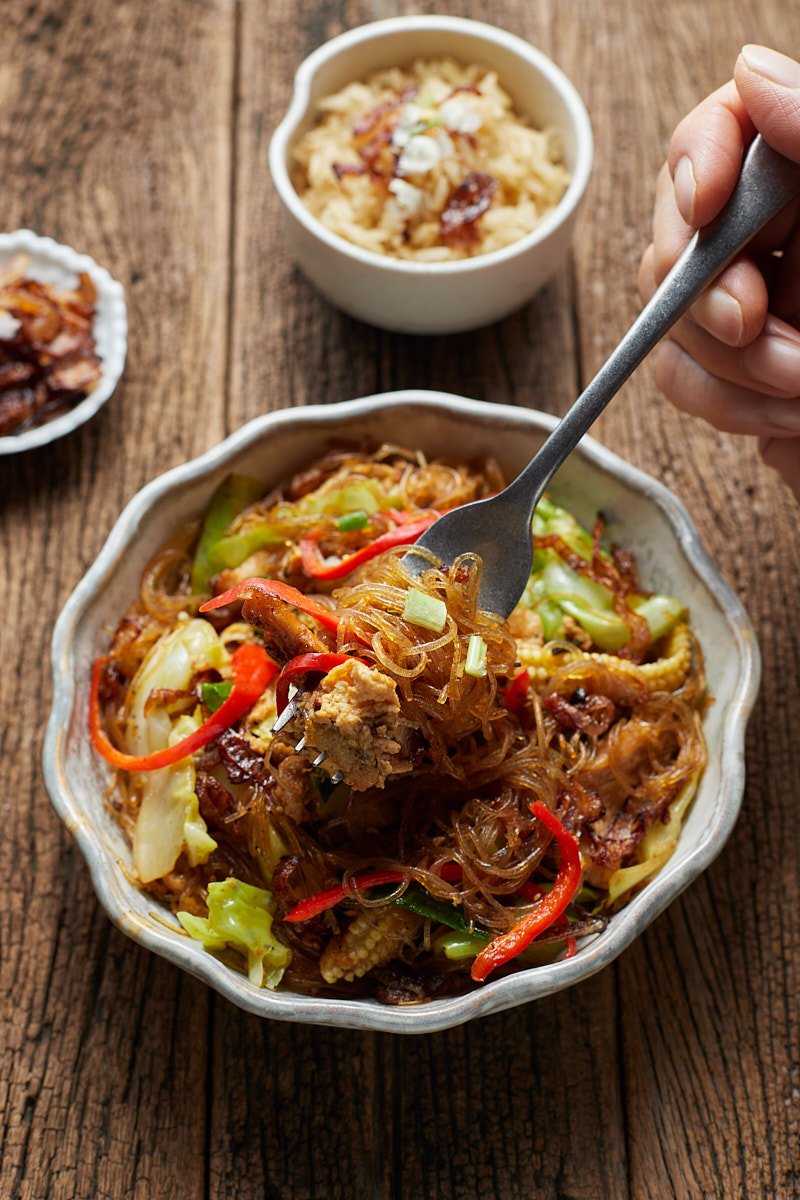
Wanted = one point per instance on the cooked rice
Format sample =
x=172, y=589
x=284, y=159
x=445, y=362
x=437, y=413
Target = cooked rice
x=415, y=156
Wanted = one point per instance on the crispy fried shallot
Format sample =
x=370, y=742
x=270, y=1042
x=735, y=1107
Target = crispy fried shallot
x=467, y=202
x=48, y=359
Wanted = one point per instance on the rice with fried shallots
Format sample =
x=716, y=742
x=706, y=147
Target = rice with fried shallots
x=429, y=163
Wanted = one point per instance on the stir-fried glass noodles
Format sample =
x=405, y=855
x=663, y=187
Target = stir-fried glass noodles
x=445, y=795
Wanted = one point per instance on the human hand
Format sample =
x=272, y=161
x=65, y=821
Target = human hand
x=734, y=359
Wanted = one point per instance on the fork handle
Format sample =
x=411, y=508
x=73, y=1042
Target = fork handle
x=767, y=183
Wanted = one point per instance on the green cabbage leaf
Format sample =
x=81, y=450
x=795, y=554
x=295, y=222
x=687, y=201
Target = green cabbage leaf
x=240, y=918
x=169, y=820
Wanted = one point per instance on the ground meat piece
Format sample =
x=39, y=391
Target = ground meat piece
x=241, y=761
x=577, y=805
x=621, y=760
x=282, y=889
x=292, y=790
x=113, y=685
x=127, y=651
x=217, y=805
x=398, y=984
x=589, y=714
x=354, y=716
x=283, y=629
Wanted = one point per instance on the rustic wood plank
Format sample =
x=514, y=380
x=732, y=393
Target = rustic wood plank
x=303, y=1114
x=674, y=1074
x=114, y=137
x=507, y=1107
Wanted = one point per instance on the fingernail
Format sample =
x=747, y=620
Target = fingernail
x=685, y=188
x=778, y=68
x=721, y=314
x=776, y=362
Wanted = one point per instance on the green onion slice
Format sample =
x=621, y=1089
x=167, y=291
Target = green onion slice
x=428, y=611
x=353, y=520
x=476, y=657
x=214, y=694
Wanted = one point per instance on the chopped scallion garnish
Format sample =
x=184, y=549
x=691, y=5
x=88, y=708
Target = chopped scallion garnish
x=353, y=520
x=215, y=694
x=428, y=611
x=476, y=657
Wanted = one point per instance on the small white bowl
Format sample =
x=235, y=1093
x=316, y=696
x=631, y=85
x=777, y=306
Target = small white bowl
x=448, y=297
x=643, y=515
x=52, y=263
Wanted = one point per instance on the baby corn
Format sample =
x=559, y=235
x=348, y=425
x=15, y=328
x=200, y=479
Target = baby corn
x=373, y=938
x=664, y=675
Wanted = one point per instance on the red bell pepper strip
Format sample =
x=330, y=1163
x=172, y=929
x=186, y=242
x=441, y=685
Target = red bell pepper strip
x=312, y=906
x=252, y=671
x=532, y=891
x=301, y=665
x=281, y=591
x=515, y=697
x=450, y=872
x=549, y=908
x=315, y=566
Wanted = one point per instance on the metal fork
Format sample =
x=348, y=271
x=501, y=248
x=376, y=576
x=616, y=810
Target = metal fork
x=499, y=529
x=283, y=720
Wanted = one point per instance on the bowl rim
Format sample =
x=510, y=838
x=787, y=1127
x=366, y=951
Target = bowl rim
x=535, y=58
x=112, y=294
x=534, y=983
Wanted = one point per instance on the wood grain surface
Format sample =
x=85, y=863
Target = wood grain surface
x=137, y=131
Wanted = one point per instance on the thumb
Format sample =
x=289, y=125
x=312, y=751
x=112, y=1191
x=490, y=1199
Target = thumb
x=769, y=85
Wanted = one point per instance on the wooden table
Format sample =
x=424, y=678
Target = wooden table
x=138, y=132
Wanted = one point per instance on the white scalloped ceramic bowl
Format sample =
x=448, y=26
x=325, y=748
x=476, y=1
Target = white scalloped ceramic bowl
x=446, y=297
x=50, y=262
x=642, y=514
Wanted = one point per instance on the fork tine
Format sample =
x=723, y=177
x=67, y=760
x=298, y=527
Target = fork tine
x=320, y=759
x=300, y=744
x=286, y=716
x=338, y=777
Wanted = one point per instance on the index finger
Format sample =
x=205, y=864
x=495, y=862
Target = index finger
x=705, y=154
